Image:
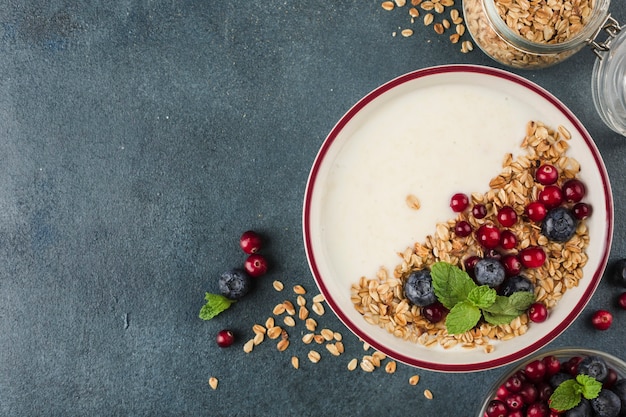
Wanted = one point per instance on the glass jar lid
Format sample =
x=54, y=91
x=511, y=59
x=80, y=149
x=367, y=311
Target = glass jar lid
x=608, y=83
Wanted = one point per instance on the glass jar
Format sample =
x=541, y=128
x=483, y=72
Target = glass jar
x=532, y=39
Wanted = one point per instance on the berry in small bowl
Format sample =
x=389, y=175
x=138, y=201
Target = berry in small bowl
x=560, y=382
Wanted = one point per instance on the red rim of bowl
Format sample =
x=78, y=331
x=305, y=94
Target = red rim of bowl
x=477, y=366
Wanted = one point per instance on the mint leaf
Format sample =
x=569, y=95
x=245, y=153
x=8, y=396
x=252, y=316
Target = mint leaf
x=462, y=317
x=497, y=319
x=590, y=387
x=215, y=304
x=452, y=285
x=568, y=395
x=521, y=300
x=503, y=310
x=482, y=297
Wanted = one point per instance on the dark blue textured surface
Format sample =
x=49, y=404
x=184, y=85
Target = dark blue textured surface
x=138, y=140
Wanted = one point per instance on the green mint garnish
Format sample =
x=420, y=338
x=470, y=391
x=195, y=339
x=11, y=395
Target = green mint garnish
x=215, y=304
x=569, y=393
x=469, y=302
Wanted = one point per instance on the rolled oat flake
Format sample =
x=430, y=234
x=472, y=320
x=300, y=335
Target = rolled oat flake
x=519, y=36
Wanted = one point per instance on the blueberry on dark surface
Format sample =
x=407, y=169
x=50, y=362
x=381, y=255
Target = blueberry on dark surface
x=583, y=409
x=489, y=271
x=515, y=284
x=234, y=284
x=619, y=272
x=419, y=288
x=559, y=225
x=606, y=404
x=594, y=366
x=619, y=388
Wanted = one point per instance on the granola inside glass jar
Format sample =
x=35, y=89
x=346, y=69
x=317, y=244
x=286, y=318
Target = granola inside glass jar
x=534, y=34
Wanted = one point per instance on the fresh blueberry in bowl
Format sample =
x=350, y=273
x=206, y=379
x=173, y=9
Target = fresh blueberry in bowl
x=594, y=366
x=559, y=225
x=490, y=272
x=515, y=284
x=419, y=288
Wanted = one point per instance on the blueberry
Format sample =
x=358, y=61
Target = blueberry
x=489, y=271
x=234, y=284
x=419, y=288
x=583, y=409
x=619, y=388
x=515, y=284
x=594, y=366
x=606, y=404
x=559, y=225
x=558, y=378
x=619, y=272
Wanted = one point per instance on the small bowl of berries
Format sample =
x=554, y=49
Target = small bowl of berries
x=568, y=382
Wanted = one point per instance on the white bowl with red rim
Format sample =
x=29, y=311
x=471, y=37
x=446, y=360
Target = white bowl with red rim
x=432, y=133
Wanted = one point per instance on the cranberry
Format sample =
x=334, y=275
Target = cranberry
x=537, y=313
x=512, y=265
x=462, y=229
x=225, y=338
x=502, y=393
x=508, y=240
x=602, y=319
x=507, y=216
x=529, y=393
x=536, y=211
x=621, y=300
x=515, y=413
x=434, y=312
x=545, y=391
x=535, y=370
x=459, y=202
x=551, y=196
x=538, y=409
x=532, y=257
x=554, y=413
x=574, y=190
x=546, y=174
x=250, y=241
x=513, y=384
x=610, y=379
x=470, y=263
x=255, y=265
x=479, y=211
x=496, y=408
x=581, y=210
x=488, y=236
x=553, y=365
x=514, y=401
x=571, y=366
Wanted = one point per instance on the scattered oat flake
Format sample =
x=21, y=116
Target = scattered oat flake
x=390, y=368
x=407, y=33
x=387, y=5
x=413, y=202
x=353, y=364
x=295, y=362
x=278, y=286
x=314, y=356
x=428, y=394
x=213, y=382
x=248, y=346
x=299, y=289
x=414, y=379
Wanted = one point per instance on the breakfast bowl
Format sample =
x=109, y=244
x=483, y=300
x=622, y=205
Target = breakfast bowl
x=530, y=387
x=406, y=167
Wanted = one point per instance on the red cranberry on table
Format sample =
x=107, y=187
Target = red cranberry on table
x=225, y=338
x=622, y=300
x=250, y=242
x=256, y=265
x=602, y=319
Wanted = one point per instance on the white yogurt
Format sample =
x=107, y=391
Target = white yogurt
x=407, y=147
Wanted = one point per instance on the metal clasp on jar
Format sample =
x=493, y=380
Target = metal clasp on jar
x=611, y=27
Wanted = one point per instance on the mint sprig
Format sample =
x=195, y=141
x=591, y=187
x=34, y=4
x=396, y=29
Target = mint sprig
x=215, y=304
x=569, y=393
x=468, y=302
